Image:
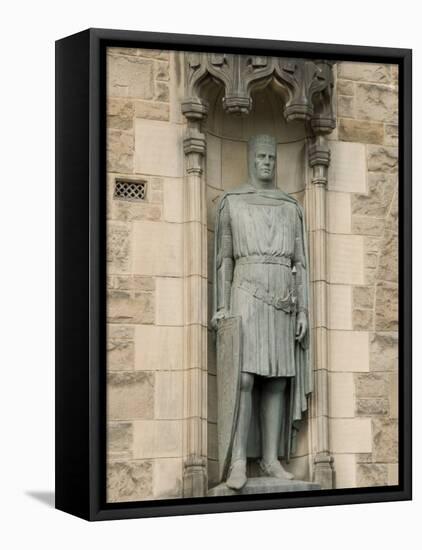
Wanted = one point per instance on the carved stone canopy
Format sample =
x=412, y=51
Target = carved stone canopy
x=304, y=85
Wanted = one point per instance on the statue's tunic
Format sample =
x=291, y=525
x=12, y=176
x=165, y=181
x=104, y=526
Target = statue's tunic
x=264, y=237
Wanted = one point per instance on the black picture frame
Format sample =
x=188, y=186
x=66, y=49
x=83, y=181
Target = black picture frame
x=81, y=279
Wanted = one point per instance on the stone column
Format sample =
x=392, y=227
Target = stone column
x=195, y=315
x=319, y=159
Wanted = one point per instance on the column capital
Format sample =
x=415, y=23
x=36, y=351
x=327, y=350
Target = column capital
x=319, y=156
x=194, y=147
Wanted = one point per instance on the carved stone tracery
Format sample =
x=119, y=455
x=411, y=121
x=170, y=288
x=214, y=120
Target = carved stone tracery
x=305, y=86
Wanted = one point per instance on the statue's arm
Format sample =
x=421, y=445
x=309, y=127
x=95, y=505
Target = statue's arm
x=224, y=260
x=299, y=262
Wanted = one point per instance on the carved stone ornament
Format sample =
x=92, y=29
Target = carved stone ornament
x=305, y=86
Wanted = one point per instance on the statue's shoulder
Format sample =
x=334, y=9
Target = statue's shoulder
x=242, y=189
x=293, y=202
x=234, y=193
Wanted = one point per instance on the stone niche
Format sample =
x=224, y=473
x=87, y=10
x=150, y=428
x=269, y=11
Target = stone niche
x=226, y=167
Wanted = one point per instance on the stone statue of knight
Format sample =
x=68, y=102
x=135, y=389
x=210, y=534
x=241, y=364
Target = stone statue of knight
x=261, y=281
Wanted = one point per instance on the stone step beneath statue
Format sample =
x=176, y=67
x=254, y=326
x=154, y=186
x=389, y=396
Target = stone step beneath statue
x=262, y=485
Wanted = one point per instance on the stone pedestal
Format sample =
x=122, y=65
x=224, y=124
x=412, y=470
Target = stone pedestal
x=262, y=485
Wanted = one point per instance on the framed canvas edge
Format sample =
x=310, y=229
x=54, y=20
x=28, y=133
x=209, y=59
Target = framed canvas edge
x=94, y=448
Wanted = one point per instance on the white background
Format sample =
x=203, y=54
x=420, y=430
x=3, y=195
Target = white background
x=27, y=36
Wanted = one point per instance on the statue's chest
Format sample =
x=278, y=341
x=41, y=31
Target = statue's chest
x=262, y=226
x=263, y=216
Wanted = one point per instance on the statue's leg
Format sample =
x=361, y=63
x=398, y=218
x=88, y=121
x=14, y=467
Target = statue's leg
x=272, y=395
x=272, y=401
x=237, y=474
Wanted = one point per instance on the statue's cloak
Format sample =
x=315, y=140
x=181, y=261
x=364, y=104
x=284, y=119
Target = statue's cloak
x=301, y=385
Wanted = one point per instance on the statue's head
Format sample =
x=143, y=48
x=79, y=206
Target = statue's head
x=262, y=156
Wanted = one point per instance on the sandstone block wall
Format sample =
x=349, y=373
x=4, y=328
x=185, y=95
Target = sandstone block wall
x=363, y=251
x=144, y=279
x=146, y=272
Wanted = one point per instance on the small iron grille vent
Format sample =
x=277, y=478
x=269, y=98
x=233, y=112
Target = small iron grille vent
x=130, y=190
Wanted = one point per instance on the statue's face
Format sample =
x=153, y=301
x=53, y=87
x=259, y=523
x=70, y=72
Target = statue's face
x=265, y=157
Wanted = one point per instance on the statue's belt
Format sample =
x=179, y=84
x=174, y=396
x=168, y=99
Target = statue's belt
x=279, y=260
x=286, y=303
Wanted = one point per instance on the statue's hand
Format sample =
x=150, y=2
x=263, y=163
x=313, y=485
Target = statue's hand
x=221, y=314
x=301, y=325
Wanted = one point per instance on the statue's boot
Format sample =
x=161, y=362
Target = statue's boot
x=237, y=475
x=275, y=469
